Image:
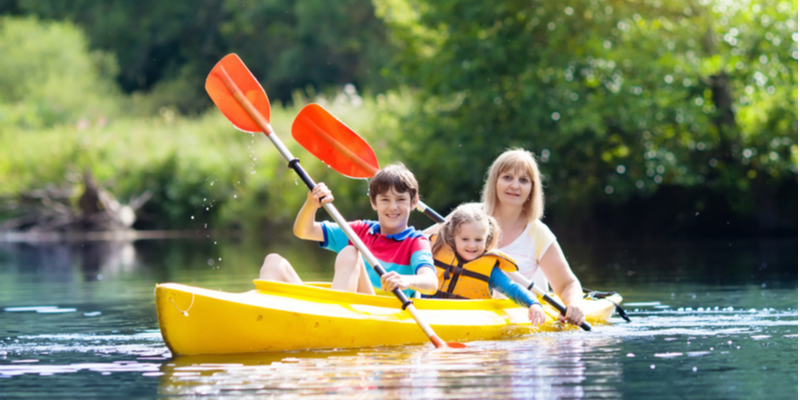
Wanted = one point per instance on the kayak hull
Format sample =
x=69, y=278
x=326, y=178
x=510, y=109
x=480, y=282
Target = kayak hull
x=283, y=317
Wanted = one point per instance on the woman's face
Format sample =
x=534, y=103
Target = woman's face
x=513, y=188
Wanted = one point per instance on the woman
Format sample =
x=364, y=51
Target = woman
x=513, y=195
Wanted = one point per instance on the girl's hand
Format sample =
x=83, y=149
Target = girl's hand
x=319, y=195
x=574, y=315
x=536, y=314
x=392, y=280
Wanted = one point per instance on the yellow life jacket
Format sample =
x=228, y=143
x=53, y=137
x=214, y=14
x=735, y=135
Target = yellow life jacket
x=459, y=280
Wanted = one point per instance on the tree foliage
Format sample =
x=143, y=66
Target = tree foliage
x=48, y=75
x=167, y=48
x=618, y=99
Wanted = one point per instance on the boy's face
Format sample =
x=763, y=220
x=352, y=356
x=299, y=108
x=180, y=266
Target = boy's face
x=393, y=210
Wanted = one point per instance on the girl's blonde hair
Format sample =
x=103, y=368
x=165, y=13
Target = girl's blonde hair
x=518, y=160
x=463, y=214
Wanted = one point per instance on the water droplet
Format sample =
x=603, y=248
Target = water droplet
x=234, y=196
x=205, y=225
x=221, y=260
x=212, y=183
x=215, y=242
x=192, y=216
x=206, y=208
x=694, y=369
x=204, y=199
x=652, y=366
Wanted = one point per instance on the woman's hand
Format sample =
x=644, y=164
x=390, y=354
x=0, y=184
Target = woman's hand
x=392, y=280
x=536, y=314
x=319, y=195
x=574, y=315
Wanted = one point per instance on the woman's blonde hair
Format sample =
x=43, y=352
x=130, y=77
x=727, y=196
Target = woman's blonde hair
x=463, y=214
x=518, y=160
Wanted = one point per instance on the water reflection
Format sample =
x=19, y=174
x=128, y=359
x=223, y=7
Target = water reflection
x=541, y=367
x=55, y=261
x=726, y=329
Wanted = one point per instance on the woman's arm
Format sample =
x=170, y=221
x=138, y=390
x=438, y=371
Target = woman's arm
x=564, y=282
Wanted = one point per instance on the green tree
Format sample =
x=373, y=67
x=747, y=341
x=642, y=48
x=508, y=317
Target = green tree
x=166, y=49
x=49, y=76
x=620, y=100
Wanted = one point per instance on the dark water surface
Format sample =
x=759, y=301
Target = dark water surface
x=710, y=320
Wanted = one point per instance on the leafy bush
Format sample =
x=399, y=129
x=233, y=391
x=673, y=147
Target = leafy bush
x=202, y=172
x=48, y=75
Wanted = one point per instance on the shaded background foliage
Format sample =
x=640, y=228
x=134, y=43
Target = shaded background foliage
x=169, y=47
x=658, y=118
x=693, y=101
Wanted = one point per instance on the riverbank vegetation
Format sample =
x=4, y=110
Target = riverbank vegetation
x=655, y=118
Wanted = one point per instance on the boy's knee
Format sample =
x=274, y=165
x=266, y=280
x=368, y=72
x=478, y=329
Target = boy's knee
x=347, y=258
x=272, y=259
x=273, y=263
x=276, y=268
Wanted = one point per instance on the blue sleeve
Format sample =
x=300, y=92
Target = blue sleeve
x=421, y=259
x=514, y=291
x=334, y=237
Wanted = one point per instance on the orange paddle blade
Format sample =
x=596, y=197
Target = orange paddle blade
x=330, y=140
x=229, y=70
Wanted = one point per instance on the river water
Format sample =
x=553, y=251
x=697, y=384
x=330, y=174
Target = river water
x=710, y=319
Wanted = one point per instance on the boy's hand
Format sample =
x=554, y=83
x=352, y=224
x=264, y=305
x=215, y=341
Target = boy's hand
x=536, y=314
x=574, y=315
x=392, y=280
x=319, y=195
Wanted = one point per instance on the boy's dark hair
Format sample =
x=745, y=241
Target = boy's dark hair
x=394, y=176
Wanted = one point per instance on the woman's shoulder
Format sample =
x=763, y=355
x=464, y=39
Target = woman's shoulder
x=538, y=225
x=541, y=236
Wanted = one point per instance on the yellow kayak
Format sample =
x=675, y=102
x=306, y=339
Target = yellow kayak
x=282, y=316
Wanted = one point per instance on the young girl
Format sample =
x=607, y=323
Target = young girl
x=475, y=268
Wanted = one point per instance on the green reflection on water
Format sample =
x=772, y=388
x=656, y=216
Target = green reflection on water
x=667, y=350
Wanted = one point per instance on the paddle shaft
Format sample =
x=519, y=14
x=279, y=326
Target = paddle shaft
x=436, y=217
x=294, y=163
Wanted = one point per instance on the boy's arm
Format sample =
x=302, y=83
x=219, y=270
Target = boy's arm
x=424, y=281
x=305, y=226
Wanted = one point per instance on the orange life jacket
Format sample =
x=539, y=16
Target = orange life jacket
x=459, y=280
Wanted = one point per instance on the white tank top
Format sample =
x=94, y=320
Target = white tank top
x=528, y=248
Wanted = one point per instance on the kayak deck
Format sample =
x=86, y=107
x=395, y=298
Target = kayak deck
x=281, y=316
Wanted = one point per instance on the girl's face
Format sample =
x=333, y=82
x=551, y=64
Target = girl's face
x=470, y=241
x=513, y=188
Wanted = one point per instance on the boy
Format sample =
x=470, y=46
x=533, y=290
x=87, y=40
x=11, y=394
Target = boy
x=404, y=252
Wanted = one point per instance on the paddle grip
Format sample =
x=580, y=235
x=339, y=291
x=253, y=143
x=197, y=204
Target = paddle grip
x=431, y=213
x=563, y=310
x=397, y=292
x=295, y=165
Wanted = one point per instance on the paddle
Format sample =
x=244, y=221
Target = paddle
x=338, y=146
x=243, y=101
